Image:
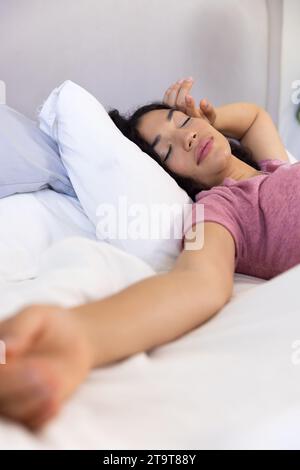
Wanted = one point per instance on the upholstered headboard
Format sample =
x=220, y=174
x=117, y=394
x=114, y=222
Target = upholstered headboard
x=127, y=52
x=2, y=92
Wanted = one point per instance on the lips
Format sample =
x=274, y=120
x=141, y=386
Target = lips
x=200, y=148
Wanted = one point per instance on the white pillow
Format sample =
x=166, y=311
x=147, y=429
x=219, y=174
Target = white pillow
x=107, y=168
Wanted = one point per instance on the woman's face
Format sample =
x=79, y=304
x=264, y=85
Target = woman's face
x=177, y=138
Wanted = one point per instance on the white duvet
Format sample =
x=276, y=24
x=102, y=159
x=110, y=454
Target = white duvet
x=231, y=383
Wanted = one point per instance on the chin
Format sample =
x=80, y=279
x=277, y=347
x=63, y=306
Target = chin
x=222, y=157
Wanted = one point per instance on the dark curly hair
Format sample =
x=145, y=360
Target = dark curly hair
x=128, y=126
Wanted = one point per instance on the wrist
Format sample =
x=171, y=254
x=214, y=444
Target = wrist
x=81, y=317
x=235, y=119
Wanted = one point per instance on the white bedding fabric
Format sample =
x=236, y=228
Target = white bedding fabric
x=231, y=383
x=29, y=223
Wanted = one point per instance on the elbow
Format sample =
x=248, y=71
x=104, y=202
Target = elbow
x=223, y=298
x=216, y=293
x=256, y=109
x=222, y=286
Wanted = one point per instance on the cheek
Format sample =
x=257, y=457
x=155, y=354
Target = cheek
x=222, y=142
x=222, y=148
x=182, y=165
x=227, y=147
x=226, y=150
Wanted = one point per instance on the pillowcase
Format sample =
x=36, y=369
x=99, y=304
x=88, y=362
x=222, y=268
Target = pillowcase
x=134, y=204
x=29, y=159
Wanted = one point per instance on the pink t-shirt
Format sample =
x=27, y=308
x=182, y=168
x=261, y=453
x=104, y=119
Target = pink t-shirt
x=263, y=215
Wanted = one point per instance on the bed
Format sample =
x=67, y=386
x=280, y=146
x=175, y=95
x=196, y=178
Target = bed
x=232, y=383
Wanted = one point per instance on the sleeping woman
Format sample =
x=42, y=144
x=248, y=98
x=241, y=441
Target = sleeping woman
x=230, y=159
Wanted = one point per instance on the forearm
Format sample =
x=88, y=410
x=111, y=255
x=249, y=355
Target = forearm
x=234, y=120
x=147, y=314
x=264, y=135
x=253, y=127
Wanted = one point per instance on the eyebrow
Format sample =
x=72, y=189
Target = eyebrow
x=158, y=137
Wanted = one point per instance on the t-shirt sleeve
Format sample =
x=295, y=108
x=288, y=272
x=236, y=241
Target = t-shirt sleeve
x=271, y=164
x=221, y=209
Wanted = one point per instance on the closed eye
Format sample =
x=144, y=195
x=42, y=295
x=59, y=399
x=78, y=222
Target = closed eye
x=187, y=120
x=170, y=149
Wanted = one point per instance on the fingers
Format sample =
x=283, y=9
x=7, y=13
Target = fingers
x=208, y=110
x=40, y=417
x=176, y=93
x=19, y=331
x=27, y=394
x=178, y=96
x=31, y=408
x=184, y=89
x=191, y=108
x=14, y=379
x=27, y=405
x=20, y=375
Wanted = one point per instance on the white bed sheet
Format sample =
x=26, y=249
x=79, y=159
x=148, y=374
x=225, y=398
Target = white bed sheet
x=30, y=223
x=232, y=383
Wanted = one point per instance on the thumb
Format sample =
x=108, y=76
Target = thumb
x=19, y=332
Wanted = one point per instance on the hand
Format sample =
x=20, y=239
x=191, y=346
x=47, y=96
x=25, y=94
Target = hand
x=177, y=95
x=47, y=357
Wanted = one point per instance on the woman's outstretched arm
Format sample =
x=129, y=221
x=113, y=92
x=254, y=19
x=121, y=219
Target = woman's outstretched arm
x=51, y=350
x=164, y=307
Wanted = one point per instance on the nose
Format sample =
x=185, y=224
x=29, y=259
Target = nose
x=190, y=140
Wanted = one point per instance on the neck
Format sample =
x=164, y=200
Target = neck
x=238, y=170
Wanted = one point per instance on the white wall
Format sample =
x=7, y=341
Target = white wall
x=127, y=52
x=289, y=127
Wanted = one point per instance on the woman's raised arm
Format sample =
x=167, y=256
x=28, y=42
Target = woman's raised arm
x=254, y=127
x=246, y=122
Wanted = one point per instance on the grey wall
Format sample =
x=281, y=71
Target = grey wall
x=127, y=52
